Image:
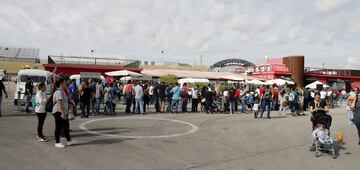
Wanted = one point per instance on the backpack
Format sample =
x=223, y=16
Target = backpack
x=231, y=95
x=183, y=93
x=49, y=104
x=267, y=94
x=292, y=96
x=167, y=92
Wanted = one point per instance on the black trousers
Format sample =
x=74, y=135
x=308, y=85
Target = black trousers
x=41, y=119
x=61, y=125
x=87, y=107
x=194, y=105
x=306, y=104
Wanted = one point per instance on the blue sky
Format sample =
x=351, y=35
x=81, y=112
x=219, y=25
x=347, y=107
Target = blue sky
x=325, y=31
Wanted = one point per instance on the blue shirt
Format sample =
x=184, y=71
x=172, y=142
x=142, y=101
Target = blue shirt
x=73, y=90
x=176, y=91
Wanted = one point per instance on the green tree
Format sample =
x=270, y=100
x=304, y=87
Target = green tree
x=169, y=79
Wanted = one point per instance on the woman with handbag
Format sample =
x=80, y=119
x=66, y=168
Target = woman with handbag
x=60, y=112
x=40, y=100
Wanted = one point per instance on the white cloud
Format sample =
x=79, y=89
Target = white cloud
x=185, y=29
x=353, y=62
x=329, y=5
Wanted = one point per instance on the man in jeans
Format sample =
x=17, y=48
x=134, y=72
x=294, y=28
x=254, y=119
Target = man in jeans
x=266, y=103
x=139, y=93
x=128, y=94
x=98, y=96
x=2, y=89
x=29, y=87
x=86, y=97
x=176, y=91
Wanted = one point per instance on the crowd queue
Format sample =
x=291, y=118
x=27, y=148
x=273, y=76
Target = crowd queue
x=93, y=97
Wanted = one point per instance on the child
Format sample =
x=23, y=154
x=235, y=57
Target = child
x=322, y=134
x=349, y=110
x=283, y=103
x=256, y=105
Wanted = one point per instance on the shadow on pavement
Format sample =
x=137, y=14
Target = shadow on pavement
x=102, y=142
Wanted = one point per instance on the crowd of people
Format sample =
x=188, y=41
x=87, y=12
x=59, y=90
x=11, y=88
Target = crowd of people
x=94, y=97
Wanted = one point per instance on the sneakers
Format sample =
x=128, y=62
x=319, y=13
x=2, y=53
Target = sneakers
x=42, y=140
x=59, y=145
x=72, y=142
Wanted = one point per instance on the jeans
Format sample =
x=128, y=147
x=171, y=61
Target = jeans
x=0, y=105
x=243, y=106
x=194, y=105
x=357, y=123
x=92, y=105
x=232, y=106
x=184, y=105
x=265, y=104
x=139, y=106
x=236, y=104
x=128, y=104
x=306, y=104
x=27, y=103
x=86, y=105
x=98, y=103
x=41, y=119
x=208, y=106
x=109, y=106
x=274, y=104
x=174, y=106
x=61, y=125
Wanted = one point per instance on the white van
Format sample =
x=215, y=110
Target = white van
x=78, y=81
x=37, y=76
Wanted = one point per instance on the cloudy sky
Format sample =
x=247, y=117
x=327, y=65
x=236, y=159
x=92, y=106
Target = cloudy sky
x=325, y=31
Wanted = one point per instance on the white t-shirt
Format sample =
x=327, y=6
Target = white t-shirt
x=352, y=93
x=40, y=99
x=329, y=93
x=323, y=94
x=194, y=94
x=226, y=93
x=151, y=90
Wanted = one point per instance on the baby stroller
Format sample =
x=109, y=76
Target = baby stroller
x=217, y=106
x=321, y=140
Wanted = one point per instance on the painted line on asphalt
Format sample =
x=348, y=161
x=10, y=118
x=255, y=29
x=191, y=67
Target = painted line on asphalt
x=193, y=129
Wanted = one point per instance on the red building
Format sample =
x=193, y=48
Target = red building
x=293, y=67
x=70, y=69
x=69, y=65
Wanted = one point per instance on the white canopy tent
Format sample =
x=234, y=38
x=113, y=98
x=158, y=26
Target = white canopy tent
x=279, y=82
x=255, y=82
x=192, y=80
x=234, y=78
x=124, y=73
x=314, y=85
x=127, y=78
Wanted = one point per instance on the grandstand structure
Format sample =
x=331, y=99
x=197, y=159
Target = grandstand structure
x=19, y=54
x=231, y=65
x=98, y=61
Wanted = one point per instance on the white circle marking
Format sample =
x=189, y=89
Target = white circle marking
x=193, y=129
